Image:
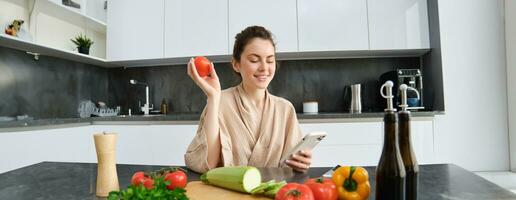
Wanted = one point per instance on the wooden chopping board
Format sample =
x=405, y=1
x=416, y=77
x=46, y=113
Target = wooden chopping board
x=196, y=190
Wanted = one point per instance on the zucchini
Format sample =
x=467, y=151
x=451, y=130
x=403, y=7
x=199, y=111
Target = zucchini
x=241, y=179
x=271, y=192
x=262, y=187
x=269, y=188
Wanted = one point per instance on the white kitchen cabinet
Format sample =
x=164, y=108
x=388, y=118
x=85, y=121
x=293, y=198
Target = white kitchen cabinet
x=422, y=135
x=347, y=143
x=361, y=143
x=279, y=17
x=332, y=25
x=135, y=29
x=19, y=149
x=136, y=144
x=196, y=27
x=95, y=9
x=358, y=143
x=398, y=24
x=151, y=144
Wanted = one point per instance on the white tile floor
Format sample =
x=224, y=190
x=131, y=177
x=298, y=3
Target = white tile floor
x=505, y=179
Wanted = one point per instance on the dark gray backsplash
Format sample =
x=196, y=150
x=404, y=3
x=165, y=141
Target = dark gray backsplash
x=47, y=88
x=302, y=80
x=53, y=88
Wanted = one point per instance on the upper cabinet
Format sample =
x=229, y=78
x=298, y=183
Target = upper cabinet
x=398, y=24
x=135, y=29
x=96, y=9
x=196, y=27
x=160, y=32
x=277, y=16
x=331, y=25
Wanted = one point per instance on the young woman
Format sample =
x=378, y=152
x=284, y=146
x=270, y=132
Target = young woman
x=245, y=124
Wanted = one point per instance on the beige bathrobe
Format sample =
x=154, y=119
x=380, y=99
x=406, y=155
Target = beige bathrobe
x=245, y=137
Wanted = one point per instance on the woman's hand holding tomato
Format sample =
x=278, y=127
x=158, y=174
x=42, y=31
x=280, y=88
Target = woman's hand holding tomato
x=204, y=76
x=202, y=65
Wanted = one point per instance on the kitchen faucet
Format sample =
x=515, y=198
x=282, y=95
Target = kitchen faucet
x=146, y=107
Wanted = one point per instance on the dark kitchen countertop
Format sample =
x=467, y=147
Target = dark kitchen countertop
x=59, y=180
x=178, y=118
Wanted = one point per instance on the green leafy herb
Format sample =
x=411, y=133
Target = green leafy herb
x=159, y=192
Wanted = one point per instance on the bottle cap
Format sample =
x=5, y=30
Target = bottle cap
x=403, y=92
x=388, y=87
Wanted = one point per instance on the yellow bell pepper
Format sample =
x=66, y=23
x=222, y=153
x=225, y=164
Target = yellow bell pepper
x=352, y=183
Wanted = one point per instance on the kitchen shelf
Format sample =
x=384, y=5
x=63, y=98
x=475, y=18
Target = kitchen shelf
x=283, y=56
x=65, y=12
x=16, y=43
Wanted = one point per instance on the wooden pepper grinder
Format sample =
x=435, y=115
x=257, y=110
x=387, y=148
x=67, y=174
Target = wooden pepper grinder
x=107, y=178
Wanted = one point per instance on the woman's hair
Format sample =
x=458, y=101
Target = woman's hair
x=244, y=37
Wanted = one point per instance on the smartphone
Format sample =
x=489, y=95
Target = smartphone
x=307, y=143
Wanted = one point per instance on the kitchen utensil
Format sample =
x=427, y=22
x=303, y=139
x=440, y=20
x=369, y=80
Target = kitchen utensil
x=356, y=101
x=107, y=178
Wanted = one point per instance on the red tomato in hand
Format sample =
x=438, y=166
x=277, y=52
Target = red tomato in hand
x=177, y=179
x=323, y=189
x=294, y=191
x=203, y=65
x=137, y=178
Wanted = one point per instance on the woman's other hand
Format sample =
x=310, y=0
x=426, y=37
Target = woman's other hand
x=210, y=84
x=300, y=161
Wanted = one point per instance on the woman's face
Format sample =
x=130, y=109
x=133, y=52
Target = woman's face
x=257, y=64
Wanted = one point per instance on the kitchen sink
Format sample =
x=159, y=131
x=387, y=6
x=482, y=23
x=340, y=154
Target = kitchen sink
x=151, y=115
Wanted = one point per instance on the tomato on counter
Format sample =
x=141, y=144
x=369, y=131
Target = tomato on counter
x=294, y=191
x=140, y=178
x=177, y=179
x=323, y=189
x=166, y=183
x=148, y=183
x=203, y=66
x=137, y=178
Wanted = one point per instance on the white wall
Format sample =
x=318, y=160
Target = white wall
x=473, y=133
x=510, y=37
x=11, y=10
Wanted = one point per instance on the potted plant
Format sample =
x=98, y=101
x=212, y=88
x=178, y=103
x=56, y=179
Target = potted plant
x=83, y=43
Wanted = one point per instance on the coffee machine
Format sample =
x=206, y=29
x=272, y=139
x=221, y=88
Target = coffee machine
x=414, y=79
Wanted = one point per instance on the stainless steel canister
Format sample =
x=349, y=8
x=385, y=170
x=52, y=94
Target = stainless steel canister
x=356, y=101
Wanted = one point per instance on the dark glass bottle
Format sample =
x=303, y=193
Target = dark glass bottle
x=164, y=107
x=390, y=173
x=408, y=156
x=407, y=153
